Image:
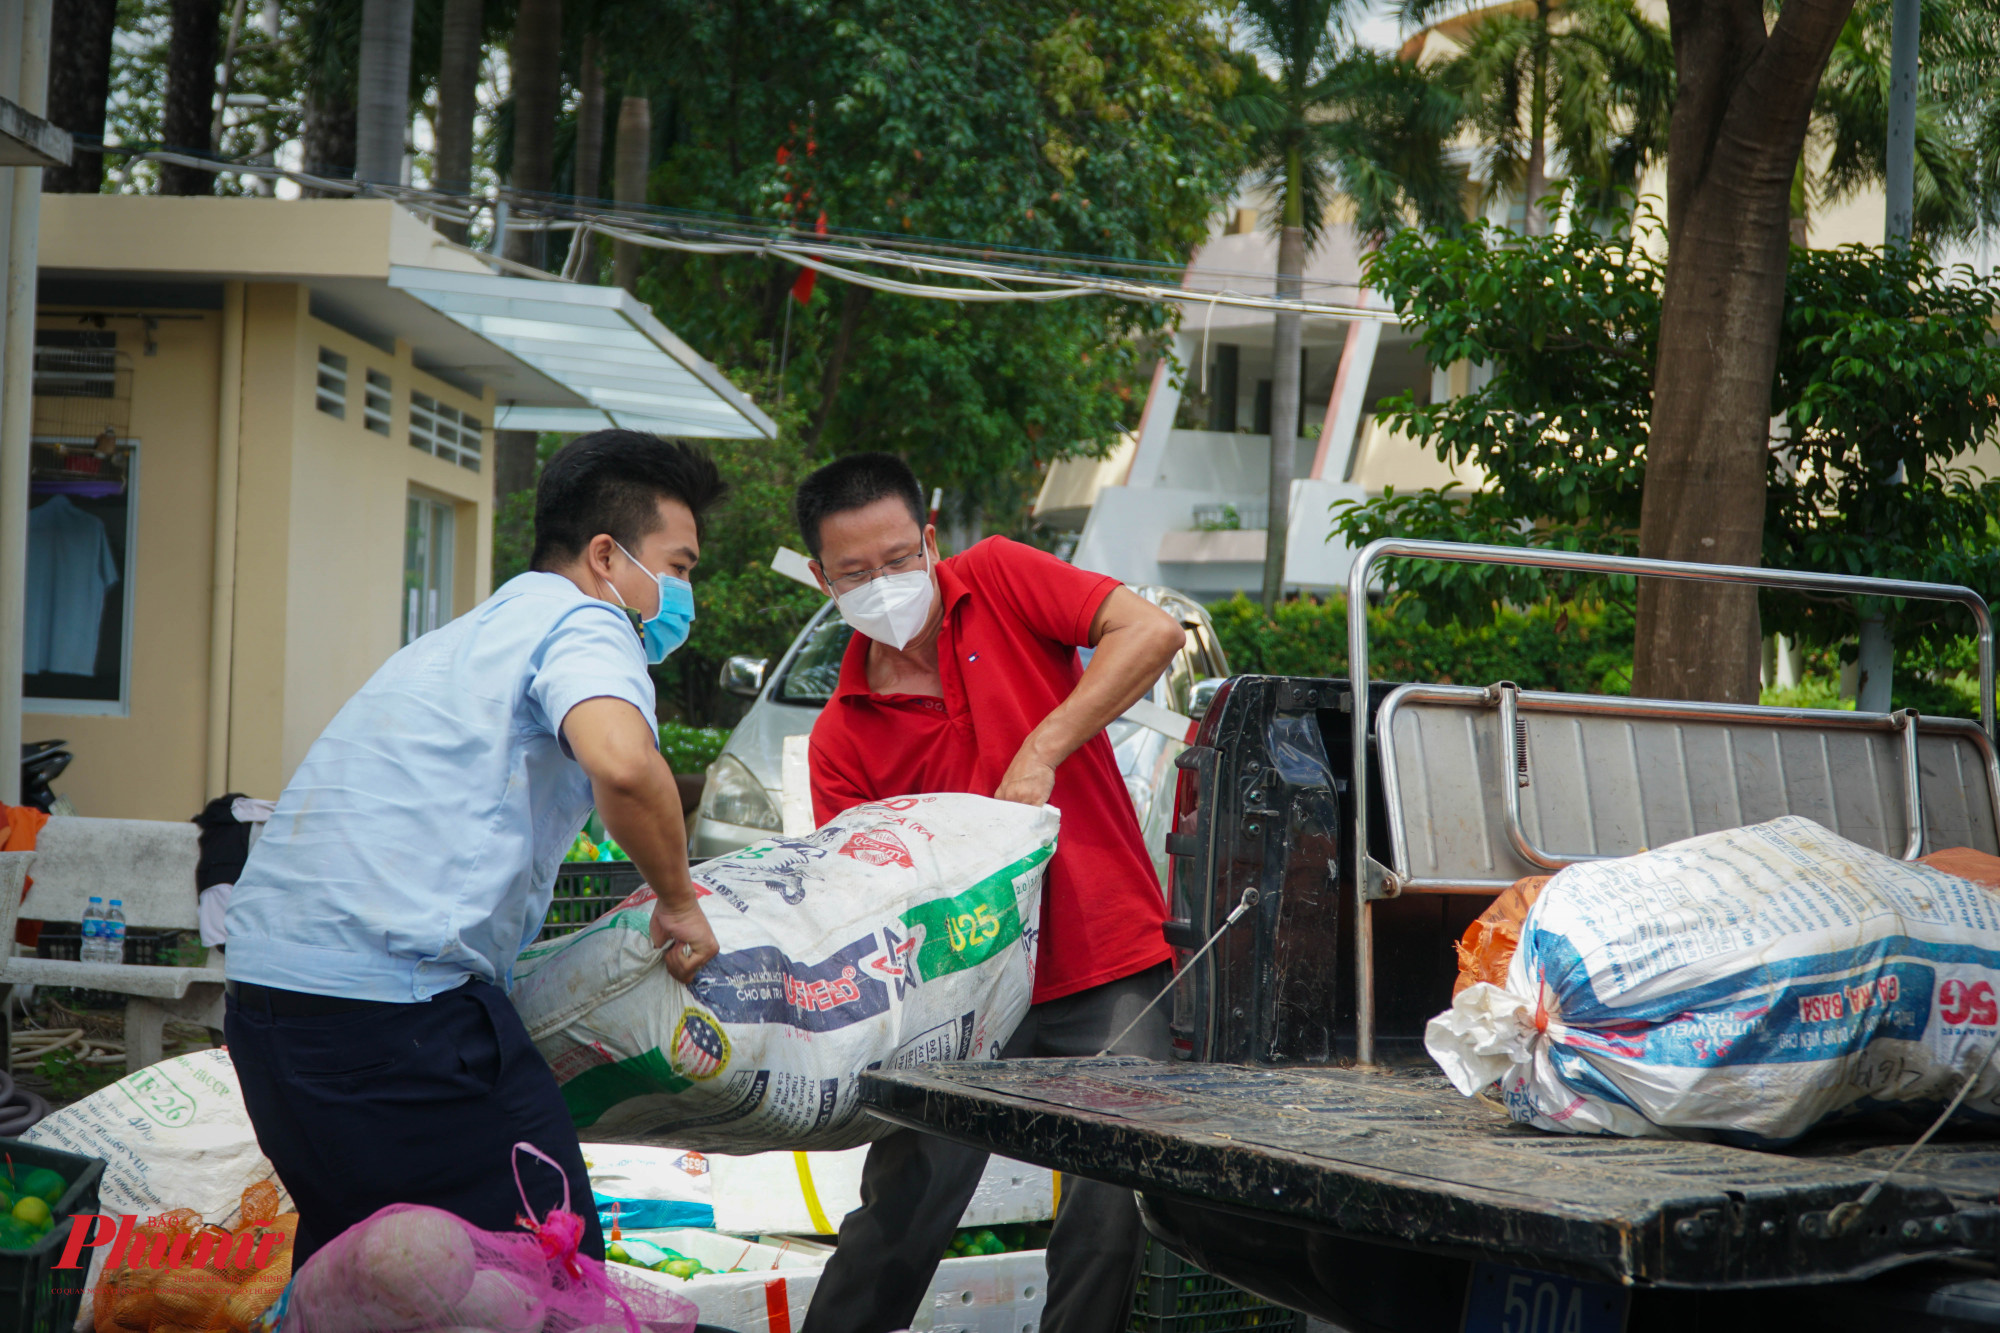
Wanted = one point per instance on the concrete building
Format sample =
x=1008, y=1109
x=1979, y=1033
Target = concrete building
x=261, y=465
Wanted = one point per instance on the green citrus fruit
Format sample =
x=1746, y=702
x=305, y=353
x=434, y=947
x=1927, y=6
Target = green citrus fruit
x=31, y=1211
x=44, y=1184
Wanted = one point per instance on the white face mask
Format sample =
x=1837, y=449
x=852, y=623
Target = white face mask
x=891, y=609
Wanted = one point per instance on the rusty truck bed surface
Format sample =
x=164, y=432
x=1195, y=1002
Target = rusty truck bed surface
x=1399, y=1157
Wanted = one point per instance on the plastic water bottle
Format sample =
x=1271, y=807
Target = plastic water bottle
x=92, y=948
x=114, y=932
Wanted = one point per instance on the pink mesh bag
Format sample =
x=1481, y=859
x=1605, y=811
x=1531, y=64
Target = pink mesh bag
x=412, y=1269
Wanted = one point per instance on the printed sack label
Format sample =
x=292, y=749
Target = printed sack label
x=1750, y=983
x=899, y=933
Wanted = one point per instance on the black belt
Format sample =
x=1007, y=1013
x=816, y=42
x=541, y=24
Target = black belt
x=291, y=1003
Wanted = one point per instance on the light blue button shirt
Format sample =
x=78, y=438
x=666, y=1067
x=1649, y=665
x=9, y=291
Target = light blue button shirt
x=417, y=845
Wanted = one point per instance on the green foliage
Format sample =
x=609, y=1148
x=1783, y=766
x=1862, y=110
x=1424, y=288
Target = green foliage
x=690, y=749
x=1884, y=363
x=1025, y=123
x=1566, y=326
x=70, y=1078
x=741, y=605
x=1576, y=647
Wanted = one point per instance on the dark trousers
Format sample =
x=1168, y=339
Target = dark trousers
x=914, y=1189
x=407, y=1103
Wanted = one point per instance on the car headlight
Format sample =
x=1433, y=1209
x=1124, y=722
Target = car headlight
x=733, y=795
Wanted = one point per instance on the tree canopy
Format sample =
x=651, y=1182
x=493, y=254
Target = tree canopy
x=1887, y=382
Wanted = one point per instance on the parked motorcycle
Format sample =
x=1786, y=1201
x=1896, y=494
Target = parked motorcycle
x=42, y=762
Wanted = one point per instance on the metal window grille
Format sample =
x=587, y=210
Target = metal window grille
x=471, y=438
x=441, y=429
x=376, y=403
x=330, y=391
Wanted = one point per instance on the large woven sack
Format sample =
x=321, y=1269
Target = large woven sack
x=899, y=933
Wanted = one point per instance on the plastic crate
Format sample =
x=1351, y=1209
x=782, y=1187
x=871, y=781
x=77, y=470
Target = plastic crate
x=143, y=948
x=1176, y=1297
x=34, y=1296
x=585, y=891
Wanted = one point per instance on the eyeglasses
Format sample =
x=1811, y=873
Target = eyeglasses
x=847, y=583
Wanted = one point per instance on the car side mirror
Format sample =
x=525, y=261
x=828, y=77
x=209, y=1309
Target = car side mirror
x=1203, y=696
x=744, y=676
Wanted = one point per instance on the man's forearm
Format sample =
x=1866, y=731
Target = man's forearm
x=644, y=817
x=1120, y=673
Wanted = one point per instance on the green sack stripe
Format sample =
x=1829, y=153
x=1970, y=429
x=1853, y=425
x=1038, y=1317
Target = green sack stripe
x=967, y=930
x=596, y=1090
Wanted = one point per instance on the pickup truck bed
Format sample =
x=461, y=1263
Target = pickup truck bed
x=1303, y=1147
x=1401, y=1158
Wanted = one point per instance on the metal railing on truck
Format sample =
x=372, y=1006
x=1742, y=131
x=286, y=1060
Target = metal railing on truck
x=1622, y=774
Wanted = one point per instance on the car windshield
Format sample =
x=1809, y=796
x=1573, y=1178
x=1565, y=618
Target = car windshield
x=815, y=669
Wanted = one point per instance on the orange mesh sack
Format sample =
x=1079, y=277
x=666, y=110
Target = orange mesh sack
x=176, y=1274
x=1489, y=942
x=1979, y=867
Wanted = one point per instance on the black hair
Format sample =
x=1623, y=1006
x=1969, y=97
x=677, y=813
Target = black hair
x=854, y=482
x=611, y=481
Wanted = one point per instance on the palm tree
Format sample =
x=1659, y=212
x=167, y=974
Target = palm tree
x=1594, y=82
x=462, y=43
x=1330, y=118
x=1958, y=94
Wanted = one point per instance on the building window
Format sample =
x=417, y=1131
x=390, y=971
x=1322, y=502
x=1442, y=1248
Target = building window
x=330, y=394
x=441, y=429
x=427, y=546
x=375, y=406
x=82, y=529
x=1222, y=387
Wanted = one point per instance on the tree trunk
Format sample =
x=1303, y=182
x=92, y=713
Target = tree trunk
x=1284, y=386
x=328, y=148
x=852, y=301
x=1739, y=123
x=1537, y=182
x=79, y=82
x=190, y=99
x=382, y=109
x=536, y=58
x=458, y=100
x=634, y=156
x=513, y=462
x=590, y=122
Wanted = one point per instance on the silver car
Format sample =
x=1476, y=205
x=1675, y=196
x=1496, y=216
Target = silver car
x=741, y=802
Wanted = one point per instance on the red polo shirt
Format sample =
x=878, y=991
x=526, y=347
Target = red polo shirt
x=1013, y=620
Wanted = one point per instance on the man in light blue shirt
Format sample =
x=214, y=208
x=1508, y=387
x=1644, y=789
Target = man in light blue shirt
x=373, y=931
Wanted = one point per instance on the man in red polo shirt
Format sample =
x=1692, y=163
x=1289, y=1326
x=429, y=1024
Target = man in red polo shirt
x=963, y=676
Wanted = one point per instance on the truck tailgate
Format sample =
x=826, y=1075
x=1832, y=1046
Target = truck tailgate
x=1399, y=1157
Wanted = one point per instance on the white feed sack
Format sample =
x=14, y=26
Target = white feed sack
x=899, y=933
x=1750, y=983
x=173, y=1135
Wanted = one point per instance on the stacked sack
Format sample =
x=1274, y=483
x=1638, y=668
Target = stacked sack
x=1747, y=984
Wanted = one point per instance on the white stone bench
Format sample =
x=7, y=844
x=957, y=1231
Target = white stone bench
x=149, y=865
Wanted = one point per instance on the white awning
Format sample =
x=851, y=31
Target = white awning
x=619, y=365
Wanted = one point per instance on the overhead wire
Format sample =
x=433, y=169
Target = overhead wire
x=1034, y=275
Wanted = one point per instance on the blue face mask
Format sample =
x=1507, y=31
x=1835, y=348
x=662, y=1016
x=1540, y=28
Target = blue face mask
x=668, y=627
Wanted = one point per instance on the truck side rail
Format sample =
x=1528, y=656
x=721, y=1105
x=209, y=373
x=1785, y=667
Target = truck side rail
x=1375, y=881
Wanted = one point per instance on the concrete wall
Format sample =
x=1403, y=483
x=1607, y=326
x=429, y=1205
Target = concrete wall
x=319, y=559
x=1123, y=536
x=349, y=487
